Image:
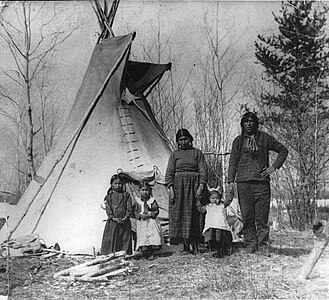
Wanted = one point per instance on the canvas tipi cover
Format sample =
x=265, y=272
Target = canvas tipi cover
x=109, y=128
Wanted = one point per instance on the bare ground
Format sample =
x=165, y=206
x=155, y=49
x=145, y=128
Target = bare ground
x=173, y=276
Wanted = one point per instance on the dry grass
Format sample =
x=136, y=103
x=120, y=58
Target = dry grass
x=173, y=276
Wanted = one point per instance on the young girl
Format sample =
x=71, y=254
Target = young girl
x=118, y=206
x=149, y=234
x=216, y=227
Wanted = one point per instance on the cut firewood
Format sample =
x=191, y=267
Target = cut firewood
x=83, y=268
x=82, y=271
x=46, y=256
x=106, y=269
x=54, y=251
x=321, y=239
x=66, y=253
x=106, y=276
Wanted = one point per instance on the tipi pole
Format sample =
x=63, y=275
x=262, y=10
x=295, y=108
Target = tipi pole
x=8, y=259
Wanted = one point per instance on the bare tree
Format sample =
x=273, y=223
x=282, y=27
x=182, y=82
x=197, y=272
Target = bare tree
x=167, y=99
x=215, y=98
x=27, y=85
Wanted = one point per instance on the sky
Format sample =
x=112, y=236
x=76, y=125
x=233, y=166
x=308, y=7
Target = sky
x=182, y=23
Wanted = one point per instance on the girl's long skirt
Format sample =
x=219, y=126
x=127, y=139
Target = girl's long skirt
x=185, y=222
x=116, y=237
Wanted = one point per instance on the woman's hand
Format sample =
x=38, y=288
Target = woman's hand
x=171, y=195
x=141, y=216
x=231, y=187
x=122, y=220
x=198, y=193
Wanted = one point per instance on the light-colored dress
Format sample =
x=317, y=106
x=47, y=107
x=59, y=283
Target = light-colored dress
x=148, y=231
x=216, y=217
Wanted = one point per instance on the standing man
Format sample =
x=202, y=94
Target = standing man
x=249, y=167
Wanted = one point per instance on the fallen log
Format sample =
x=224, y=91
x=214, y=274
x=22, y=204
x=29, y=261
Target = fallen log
x=321, y=239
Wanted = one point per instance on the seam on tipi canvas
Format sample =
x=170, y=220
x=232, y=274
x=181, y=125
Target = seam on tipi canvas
x=131, y=137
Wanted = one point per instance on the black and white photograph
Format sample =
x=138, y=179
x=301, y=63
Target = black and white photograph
x=164, y=149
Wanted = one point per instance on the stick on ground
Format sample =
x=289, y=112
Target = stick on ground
x=321, y=232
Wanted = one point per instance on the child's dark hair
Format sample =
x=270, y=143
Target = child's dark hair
x=215, y=192
x=145, y=184
x=115, y=177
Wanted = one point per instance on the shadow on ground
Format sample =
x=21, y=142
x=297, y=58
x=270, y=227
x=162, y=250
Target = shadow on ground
x=293, y=252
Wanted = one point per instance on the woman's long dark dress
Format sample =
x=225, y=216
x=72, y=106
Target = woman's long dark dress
x=117, y=237
x=185, y=171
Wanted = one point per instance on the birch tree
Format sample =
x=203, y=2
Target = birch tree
x=27, y=86
x=222, y=80
x=168, y=98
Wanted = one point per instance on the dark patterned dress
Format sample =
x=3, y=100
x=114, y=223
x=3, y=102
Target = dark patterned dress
x=186, y=169
x=117, y=237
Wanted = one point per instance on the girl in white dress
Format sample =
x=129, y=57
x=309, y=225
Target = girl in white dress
x=148, y=231
x=216, y=228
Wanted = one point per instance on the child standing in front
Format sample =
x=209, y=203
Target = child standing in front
x=149, y=234
x=216, y=227
x=118, y=206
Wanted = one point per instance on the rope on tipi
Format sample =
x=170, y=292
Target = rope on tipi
x=105, y=17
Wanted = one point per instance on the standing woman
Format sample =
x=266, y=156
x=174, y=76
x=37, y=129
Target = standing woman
x=186, y=178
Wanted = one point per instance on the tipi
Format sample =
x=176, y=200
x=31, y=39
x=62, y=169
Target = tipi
x=110, y=128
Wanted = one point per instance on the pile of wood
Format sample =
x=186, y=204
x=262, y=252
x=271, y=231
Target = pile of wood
x=102, y=268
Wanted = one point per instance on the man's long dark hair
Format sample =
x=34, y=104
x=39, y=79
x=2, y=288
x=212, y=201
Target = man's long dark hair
x=245, y=118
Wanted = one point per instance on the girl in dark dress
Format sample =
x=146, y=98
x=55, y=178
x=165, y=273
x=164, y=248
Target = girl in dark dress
x=118, y=206
x=186, y=178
